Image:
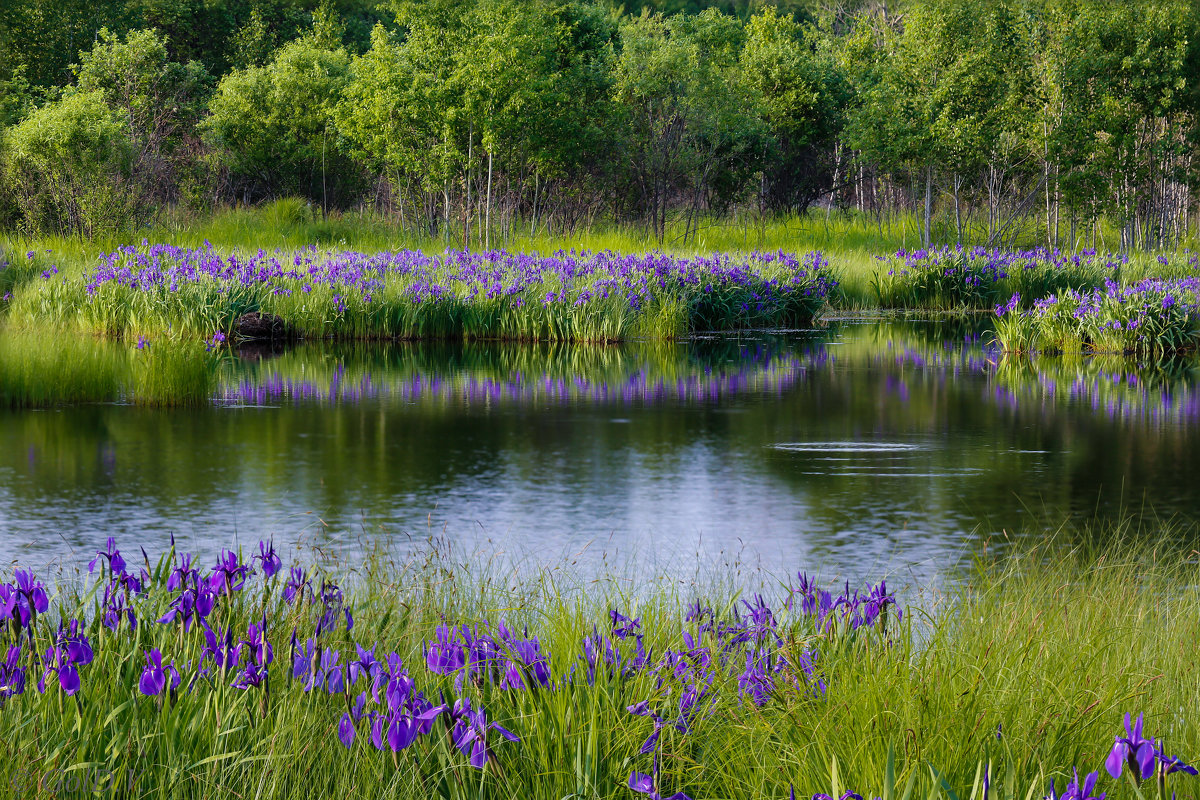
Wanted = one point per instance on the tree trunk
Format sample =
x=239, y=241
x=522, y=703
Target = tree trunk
x=957, y=209
x=467, y=207
x=487, y=217
x=928, y=203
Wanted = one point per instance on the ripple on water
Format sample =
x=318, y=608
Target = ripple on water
x=846, y=447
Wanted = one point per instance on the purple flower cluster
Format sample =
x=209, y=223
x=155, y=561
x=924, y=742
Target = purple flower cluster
x=976, y=277
x=501, y=657
x=1152, y=316
x=764, y=649
x=717, y=291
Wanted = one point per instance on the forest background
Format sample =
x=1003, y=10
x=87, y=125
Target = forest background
x=1068, y=123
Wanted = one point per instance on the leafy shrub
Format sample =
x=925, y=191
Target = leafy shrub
x=68, y=165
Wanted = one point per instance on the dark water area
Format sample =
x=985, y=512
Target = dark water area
x=856, y=450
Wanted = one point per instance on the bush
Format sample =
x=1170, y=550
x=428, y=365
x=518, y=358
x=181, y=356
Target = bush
x=68, y=167
x=273, y=126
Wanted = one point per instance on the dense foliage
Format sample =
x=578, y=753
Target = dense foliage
x=992, y=122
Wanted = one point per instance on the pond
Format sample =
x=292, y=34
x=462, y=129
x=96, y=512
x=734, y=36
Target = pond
x=861, y=448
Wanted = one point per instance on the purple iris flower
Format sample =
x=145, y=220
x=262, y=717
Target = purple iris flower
x=111, y=554
x=78, y=648
x=155, y=676
x=33, y=593
x=190, y=605
x=221, y=648
x=115, y=607
x=250, y=676
x=1132, y=750
x=271, y=563
x=12, y=675
x=364, y=664
x=183, y=574
x=297, y=582
x=469, y=730
x=346, y=730
x=256, y=641
x=1168, y=765
x=229, y=575
x=70, y=651
x=1075, y=791
x=332, y=600
x=624, y=627
x=334, y=673
x=446, y=655
x=8, y=603
x=645, y=784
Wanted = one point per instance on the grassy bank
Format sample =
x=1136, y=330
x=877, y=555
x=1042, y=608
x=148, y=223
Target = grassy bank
x=164, y=291
x=39, y=371
x=852, y=242
x=287, y=685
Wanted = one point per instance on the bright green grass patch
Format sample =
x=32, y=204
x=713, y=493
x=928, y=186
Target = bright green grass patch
x=42, y=370
x=67, y=366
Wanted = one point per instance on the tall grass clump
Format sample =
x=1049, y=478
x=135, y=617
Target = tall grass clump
x=40, y=370
x=433, y=679
x=567, y=296
x=1153, y=317
x=175, y=373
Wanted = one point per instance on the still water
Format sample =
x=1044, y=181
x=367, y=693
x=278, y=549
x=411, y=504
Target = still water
x=857, y=449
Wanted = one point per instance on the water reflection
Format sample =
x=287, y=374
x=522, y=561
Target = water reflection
x=850, y=450
x=533, y=374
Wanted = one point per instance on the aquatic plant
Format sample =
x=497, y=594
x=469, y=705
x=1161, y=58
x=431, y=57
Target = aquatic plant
x=1151, y=317
x=566, y=296
x=977, y=278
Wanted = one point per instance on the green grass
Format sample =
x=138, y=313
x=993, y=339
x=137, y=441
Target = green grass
x=1049, y=646
x=37, y=370
x=41, y=369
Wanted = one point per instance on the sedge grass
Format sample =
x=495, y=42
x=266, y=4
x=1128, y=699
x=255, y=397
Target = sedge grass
x=69, y=366
x=1026, y=663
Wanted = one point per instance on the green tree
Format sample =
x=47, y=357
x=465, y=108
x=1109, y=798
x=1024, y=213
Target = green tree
x=688, y=123
x=1120, y=118
x=801, y=94
x=935, y=97
x=508, y=95
x=69, y=165
x=274, y=126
